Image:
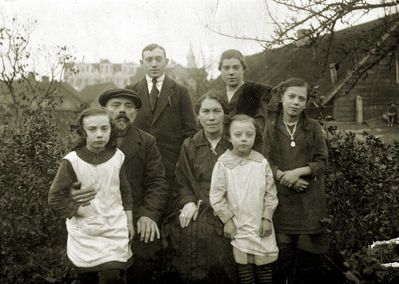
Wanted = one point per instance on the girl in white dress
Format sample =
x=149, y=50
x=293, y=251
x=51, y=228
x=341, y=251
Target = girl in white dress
x=99, y=232
x=243, y=195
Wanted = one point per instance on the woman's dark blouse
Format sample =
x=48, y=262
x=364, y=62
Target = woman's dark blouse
x=201, y=247
x=194, y=167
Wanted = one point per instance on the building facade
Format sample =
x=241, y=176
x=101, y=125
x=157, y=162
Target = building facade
x=81, y=75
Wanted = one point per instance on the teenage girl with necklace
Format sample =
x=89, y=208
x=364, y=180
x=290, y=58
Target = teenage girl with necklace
x=296, y=149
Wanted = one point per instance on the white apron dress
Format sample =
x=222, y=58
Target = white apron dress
x=98, y=233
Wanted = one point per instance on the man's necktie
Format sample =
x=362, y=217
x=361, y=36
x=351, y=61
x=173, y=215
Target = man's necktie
x=154, y=94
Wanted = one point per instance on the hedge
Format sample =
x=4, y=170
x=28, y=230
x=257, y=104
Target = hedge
x=363, y=200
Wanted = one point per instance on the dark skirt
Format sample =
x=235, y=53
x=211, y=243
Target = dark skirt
x=200, y=252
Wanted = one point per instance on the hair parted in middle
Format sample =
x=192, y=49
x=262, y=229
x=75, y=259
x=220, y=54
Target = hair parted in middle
x=232, y=53
x=212, y=95
x=151, y=47
x=280, y=89
x=80, y=140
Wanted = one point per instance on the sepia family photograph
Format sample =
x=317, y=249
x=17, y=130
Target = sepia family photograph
x=212, y=141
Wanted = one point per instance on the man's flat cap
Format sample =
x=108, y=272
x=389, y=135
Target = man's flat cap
x=115, y=93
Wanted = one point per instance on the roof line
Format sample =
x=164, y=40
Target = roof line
x=363, y=65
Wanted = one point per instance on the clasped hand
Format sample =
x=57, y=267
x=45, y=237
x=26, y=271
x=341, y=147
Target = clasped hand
x=292, y=180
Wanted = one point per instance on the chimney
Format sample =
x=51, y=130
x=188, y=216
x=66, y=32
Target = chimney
x=333, y=73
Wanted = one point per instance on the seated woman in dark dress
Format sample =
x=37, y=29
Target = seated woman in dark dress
x=199, y=251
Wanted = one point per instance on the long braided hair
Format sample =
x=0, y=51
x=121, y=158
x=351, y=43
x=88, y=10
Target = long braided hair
x=278, y=92
x=280, y=89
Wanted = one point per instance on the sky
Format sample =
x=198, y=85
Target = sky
x=117, y=30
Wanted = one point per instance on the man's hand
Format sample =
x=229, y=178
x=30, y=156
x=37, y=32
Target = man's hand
x=147, y=229
x=230, y=229
x=189, y=211
x=82, y=196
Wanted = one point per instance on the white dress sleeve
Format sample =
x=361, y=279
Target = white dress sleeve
x=218, y=193
x=270, y=200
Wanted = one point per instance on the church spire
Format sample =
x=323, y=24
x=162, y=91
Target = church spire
x=191, y=62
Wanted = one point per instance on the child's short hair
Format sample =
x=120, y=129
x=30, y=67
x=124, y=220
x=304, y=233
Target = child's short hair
x=80, y=139
x=233, y=53
x=212, y=95
x=244, y=117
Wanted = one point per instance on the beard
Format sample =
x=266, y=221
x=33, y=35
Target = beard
x=121, y=123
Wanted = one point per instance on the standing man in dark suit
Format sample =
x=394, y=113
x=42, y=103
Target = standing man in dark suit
x=167, y=111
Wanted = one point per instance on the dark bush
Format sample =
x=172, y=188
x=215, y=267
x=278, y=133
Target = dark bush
x=362, y=186
x=363, y=198
x=33, y=241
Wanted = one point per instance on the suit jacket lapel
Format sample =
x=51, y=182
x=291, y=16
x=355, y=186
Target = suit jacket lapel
x=164, y=98
x=146, y=107
x=131, y=143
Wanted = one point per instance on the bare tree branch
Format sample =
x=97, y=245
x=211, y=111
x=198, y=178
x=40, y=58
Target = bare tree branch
x=21, y=87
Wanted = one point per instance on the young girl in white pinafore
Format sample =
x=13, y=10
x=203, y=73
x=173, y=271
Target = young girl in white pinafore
x=98, y=233
x=243, y=195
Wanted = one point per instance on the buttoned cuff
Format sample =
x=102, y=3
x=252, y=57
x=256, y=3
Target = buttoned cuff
x=71, y=210
x=187, y=199
x=315, y=168
x=225, y=215
x=274, y=171
x=267, y=214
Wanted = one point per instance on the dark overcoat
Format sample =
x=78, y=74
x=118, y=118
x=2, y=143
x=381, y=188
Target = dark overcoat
x=147, y=178
x=145, y=174
x=250, y=99
x=171, y=122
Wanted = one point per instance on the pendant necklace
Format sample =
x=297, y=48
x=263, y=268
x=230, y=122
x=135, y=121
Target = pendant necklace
x=292, y=144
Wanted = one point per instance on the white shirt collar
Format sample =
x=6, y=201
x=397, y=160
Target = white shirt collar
x=159, y=82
